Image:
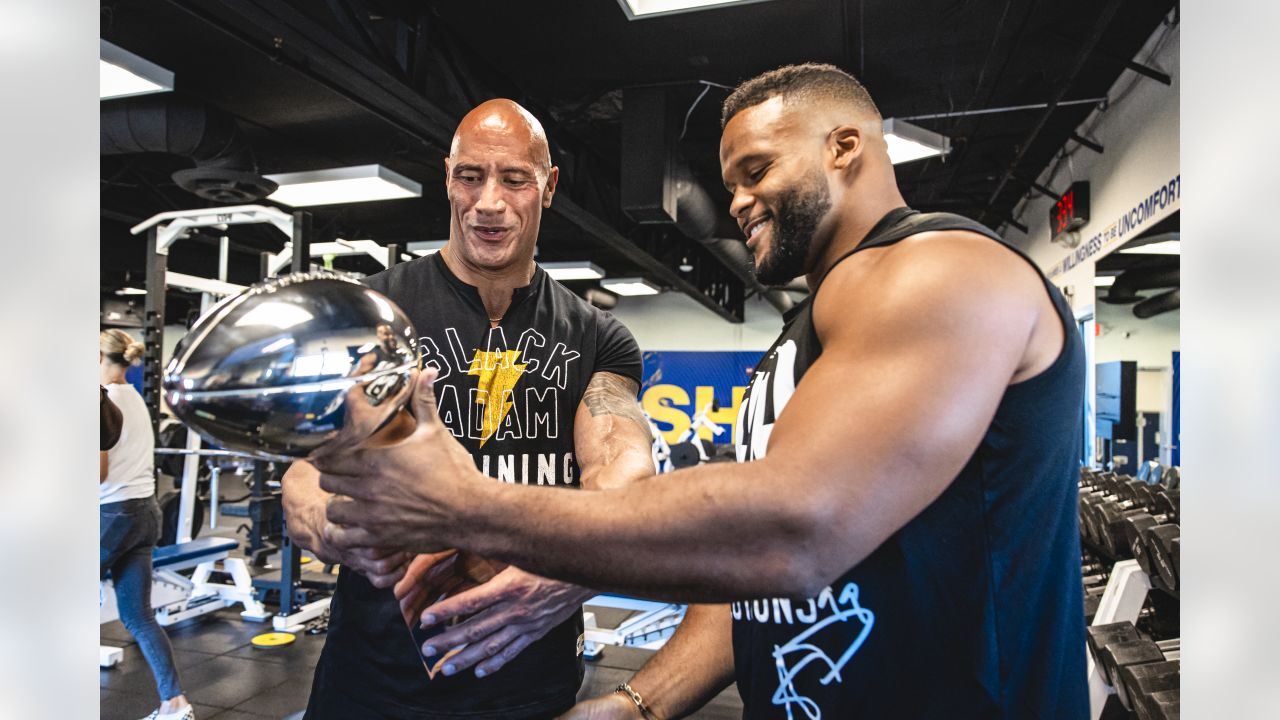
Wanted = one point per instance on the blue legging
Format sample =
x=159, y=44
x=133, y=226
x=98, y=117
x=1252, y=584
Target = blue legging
x=128, y=531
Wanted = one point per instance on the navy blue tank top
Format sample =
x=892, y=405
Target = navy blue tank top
x=974, y=609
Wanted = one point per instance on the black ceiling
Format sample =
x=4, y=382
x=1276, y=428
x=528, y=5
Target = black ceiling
x=324, y=83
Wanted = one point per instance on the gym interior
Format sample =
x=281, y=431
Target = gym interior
x=246, y=140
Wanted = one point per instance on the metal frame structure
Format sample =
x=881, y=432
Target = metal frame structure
x=649, y=629
x=177, y=598
x=163, y=230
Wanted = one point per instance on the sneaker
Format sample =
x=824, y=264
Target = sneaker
x=186, y=713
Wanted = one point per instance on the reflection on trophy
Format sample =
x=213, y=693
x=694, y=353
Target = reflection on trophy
x=292, y=365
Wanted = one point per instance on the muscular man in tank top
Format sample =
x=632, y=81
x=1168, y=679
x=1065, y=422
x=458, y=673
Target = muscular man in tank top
x=900, y=539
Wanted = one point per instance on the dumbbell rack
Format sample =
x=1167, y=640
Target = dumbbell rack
x=1122, y=601
x=1121, y=523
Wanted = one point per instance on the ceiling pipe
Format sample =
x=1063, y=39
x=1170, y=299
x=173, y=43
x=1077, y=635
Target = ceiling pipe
x=696, y=217
x=226, y=170
x=1125, y=289
x=1162, y=303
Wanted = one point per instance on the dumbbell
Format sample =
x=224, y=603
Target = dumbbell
x=1162, y=705
x=1124, y=657
x=1089, y=499
x=1163, y=544
x=1163, y=511
x=1109, y=517
x=1141, y=667
x=1144, y=534
x=1138, y=683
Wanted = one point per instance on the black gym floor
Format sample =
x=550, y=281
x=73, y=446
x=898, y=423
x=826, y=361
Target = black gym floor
x=227, y=678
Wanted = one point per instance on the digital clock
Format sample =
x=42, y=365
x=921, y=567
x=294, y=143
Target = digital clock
x=1071, y=212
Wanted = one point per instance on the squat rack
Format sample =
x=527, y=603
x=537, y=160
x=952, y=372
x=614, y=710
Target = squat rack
x=163, y=230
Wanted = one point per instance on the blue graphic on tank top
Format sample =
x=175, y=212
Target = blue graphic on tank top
x=802, y=651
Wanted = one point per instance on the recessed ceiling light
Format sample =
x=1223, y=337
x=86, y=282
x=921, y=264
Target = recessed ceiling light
x=122, y=74
x=1104, y=280
x=909, y=142
x=362, y=183
x=1168, y=247
x=573, y=270
x=131, y=291
x=639, y=9
x=629, y=286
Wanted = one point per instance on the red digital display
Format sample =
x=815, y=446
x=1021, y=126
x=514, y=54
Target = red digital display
x=1071, y=212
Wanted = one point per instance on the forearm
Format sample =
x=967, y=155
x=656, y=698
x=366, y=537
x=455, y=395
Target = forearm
x=614, y=464
x=304, y=503
x=714, y=533
x=694, y=665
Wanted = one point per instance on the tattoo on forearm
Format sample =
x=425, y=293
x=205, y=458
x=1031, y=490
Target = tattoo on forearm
x=610, y=394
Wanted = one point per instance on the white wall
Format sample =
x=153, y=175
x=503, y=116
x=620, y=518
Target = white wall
x=1139, y=132
x=675, y=321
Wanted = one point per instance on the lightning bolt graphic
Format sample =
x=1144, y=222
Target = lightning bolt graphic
x=498, y=373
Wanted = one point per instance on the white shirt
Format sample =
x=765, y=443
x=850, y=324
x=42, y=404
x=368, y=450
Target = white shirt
x=131, y=461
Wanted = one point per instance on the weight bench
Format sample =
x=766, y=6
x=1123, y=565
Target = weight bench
x=176, y=598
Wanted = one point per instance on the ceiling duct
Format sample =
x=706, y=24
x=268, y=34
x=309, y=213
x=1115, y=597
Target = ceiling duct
x=1162, y=303
x=658, y=188
x=226, y=170
x=696, y=218
x=1127, y=286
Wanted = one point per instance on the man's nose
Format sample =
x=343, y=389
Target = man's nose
x=741, y=204
x=491, y=199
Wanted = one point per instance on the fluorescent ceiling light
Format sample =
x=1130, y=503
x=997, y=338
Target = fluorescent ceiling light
x=362, y=183
x=629, y=286
x=1168, y=247
x=426, y=247
x=1104, y=280
x=637, y=9
x=131, y=291
x=909, y=142
x=122, y=74
x=573, y=270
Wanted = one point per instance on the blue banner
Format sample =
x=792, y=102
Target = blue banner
x=678, y=384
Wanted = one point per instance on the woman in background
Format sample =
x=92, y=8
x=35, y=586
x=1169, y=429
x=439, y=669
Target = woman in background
x=129, y=520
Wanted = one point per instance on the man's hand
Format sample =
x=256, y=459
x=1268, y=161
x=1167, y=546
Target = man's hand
x=509, y=612
x=304, y=505
x=394, y=495
x=606, y=707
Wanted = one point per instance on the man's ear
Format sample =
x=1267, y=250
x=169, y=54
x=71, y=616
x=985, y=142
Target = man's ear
x=552, y=176
x=846, y=144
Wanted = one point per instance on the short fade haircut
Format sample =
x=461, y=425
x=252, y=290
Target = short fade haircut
x=806, y=82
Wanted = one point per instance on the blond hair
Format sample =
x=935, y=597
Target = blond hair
x=119, y=347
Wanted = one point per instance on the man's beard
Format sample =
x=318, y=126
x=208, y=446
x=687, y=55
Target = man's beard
x=800, y=210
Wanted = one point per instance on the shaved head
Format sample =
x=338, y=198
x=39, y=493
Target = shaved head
x=504, y=118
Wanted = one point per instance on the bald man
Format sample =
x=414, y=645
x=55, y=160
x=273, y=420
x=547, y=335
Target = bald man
x=538, y=389
x=901, y=540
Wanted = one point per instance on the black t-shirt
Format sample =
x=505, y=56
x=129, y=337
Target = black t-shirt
x=974, y=609
x=509, y=394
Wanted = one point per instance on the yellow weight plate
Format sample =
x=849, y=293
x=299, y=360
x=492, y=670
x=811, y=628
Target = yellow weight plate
x=273, y=639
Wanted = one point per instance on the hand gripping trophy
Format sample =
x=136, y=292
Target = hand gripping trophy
x=302, y=365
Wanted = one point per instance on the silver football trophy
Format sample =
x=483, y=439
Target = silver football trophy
x=293, y=364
